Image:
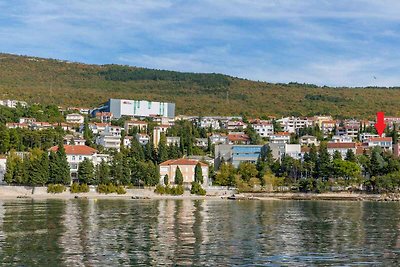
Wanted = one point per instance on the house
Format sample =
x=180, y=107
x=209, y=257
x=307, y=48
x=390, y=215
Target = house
x=341, y=139
x=218, y=139
x=64, y=126
x=157, y=131
x=201, y=142
x=186, y=166
x=27, y=120
x=318, y=120
x=205, y=159
x=41, y=125
x=235, y=154
x=281, y=137
x=293, y=124
x=209, y=122
x=328, y=126
x=263, y=128
x=364, y=137
x=279, y=150
x=70, y=139
x=341, y=147
x=12, y=103
x=75, y=118
x=127, y=142
x=307, y=140
x=141, y=126
x=104, y=116
x=143, y=139
x=383, y=142
x=173, y=141
x=110, y=138
x=238, y=138
x=236, y=125
x=16, y=125
x=96, y=127
x=76, y=154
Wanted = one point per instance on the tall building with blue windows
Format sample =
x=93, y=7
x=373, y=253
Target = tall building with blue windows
x=136, y=108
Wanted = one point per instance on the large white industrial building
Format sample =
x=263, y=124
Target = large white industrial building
x=137, y=108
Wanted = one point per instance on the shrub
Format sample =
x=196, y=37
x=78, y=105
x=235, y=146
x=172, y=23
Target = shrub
x=174, y=190
x=79, y=188
x=56, y=188
x=110, y=188
x=197, y=189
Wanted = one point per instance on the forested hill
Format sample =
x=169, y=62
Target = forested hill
x=74, y=84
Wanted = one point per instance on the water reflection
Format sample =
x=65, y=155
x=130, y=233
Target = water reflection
x=201, y=232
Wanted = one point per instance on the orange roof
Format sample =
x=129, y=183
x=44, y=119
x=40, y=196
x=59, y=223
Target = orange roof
x=238, y=137
x=379, y=139
x=341, y=145
x=182, y=162
x=137, y=122
x=282, y=133
x=76, y=149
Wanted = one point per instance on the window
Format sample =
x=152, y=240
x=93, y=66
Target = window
x=73, y=157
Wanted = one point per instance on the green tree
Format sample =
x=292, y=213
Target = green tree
x=247, y=171
x=198, y=174
x=162, y=149
x=103, y=172
x=178, y=176
x=86, y=172
x=226, y=175
x=4, y=140
x=350, y=156
x=166, y=180
x=336, y=155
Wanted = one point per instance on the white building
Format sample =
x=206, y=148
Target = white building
x=341, y=139
x=218, y=139
x=77, y=153
x=75, y=118
x=110, y=138
x=137, y=108
x=263, y=128
x=143, y=139
x=141, y=126
x=209, y=122
x=293, y=124
x=383, y=142
x=280, y=150
x=3, y=161
x=307, y=140
x=341, y=147
x=186, y=166
x=173, y=141
x=283, y=137
x=12, y=103
x=364, y=137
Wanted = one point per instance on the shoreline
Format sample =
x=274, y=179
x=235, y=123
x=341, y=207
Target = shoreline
x=40, y=193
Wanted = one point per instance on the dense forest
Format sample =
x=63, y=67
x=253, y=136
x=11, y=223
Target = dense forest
x=50, y=81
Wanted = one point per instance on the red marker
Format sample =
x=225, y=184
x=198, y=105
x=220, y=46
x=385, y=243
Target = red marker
x=380, y=123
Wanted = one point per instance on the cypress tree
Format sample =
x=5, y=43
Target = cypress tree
x=198, y=173
x=178, y=176
x=64, y=176
x=103, y=173
x=166, y=180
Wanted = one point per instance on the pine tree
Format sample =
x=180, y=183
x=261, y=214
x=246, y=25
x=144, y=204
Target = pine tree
x=337, y=155
x=198, y=173
x=87, y=133
x=136, y=150
x=350, y=156
x=166, y=180
x=86, y=172
x=4, y=139
x=178, y=176
x=162, y=149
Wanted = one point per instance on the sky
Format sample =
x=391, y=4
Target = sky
x=324, y=42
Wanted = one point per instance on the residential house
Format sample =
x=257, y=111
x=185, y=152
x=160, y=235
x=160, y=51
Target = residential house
x=143, y=139
x=238, y=138
x=327, y=127
x=293, y=124
x=341, y=139
x=383, y=142
x=41, y=125
x=77, y=153
x=75, y=118
x=216, y=138
x=16, y=125
x=27, y=120
x=110, y=138
x=236, y=125
x=127, y=141
x=157, y=131
x=307, y=140
x=281, y=137
x=201, y=142
x=263, y=128
x=280, y=150
x=187, y=168
x=364, y=137
x=141, y=126
x=342, y=148
x=104, y=116
x=173, y=141
x=12, y=103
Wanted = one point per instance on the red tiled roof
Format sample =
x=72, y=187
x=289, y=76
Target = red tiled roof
x=76, y=149
x=341, y=145
x=136, y=122
x=182, y=162
x=380, y=139
x=282, y=133
x=238, y=137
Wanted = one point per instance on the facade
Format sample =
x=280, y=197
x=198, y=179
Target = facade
x=235, y=154
x=328, y=126
x=77, y=153
x=143, y=139
x=235, y=125
x=137, y=108
x=342, y=148
x=282, y=137
x=12, y=103
x=75, y=118
x=342, y=139
x=173, y=141
x=383, y=142
x=104, y=116
x=307, y=140
x=141, y=126
x=218, y=139
x=238, y=139
x=110, y=138
x=280, y=150
x=293, y=124
x=263, y=128
x=201, y=142
x=186, y=166
x=364, y=137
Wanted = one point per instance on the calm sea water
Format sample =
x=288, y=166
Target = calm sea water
x=198, y=233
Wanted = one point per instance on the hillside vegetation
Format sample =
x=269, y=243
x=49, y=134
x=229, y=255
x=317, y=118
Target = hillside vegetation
x=49, y=81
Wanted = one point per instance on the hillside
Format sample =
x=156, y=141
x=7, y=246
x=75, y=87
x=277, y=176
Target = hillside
x=75, y=84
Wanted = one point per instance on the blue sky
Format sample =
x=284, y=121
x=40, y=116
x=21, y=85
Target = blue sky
x=325, y=42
